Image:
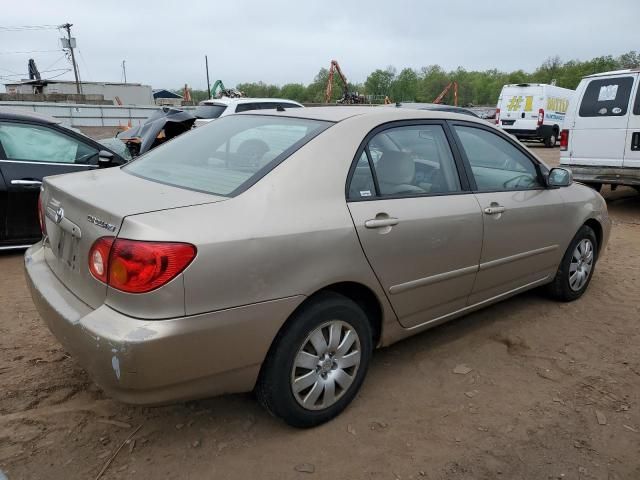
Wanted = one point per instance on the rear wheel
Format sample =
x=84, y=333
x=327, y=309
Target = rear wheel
x=577, y=266
x=317, y=362
x=551, y=140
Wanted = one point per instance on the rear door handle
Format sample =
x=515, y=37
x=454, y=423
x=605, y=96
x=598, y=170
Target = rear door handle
x=26, y=183
x=381, y=222
x=494, y=210
x=635, y=141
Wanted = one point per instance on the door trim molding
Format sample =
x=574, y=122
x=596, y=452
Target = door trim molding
x=440, y=277
x=517, y=256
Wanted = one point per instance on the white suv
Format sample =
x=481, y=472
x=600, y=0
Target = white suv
x=208, y=110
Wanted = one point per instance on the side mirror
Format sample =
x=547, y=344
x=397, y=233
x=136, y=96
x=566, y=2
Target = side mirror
x=104, y=158
x=560, y=177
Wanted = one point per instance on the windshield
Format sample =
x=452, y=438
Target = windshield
x=226, y=156
x=209, y=111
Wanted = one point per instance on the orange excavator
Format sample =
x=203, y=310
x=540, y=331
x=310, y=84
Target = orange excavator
x=347, y=97
x=446, y=90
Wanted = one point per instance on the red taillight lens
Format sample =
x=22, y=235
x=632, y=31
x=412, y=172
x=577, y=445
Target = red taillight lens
x=43, y=224
x=564, y=139
x=135, y=266
x=540, y=116
x=497, y=116
x=99, y=258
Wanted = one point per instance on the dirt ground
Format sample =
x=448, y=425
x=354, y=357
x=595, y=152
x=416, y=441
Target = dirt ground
x=553, y=393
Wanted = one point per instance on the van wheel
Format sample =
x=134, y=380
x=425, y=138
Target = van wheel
x=551, y=140
x=318, y=362
x=577, y=266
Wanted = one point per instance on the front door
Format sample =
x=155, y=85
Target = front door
x=419, y=226
x=632, y=145
x=32, y=152
x=523, y=220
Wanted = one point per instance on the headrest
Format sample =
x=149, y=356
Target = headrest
x=396, y=168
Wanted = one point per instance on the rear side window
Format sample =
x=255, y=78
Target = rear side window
x=209, y=110
x=245, y=107
x=608, y=97
x=636, y=106
x=228, y=156
x=411, y=160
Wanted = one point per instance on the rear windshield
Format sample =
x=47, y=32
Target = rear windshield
x=227, y=156
x=209, y=111
x=607, y=97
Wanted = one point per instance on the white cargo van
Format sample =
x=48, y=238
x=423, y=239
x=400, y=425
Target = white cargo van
x=533, y=111
x=600, y=142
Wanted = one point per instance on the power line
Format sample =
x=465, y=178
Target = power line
x=28, y=51
x=22, y=28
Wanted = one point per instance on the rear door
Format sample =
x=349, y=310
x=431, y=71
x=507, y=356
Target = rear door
x=32, y=152
x=523, y=220
x=520, y=104
x=599, y=128
x=419, y=226
x=632, y=144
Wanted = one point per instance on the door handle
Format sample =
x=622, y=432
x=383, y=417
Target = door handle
x=381, y=222
x=635, y=141
x=28, y=183
x=494, y=210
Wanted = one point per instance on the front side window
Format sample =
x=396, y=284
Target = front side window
x=496, y=164
x=229, y=155
x=636, y=106
x=36, y=143
x=413, y=160
x=608, y=97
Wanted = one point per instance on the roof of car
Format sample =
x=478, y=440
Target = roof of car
x=339, y=113
x=614, y=72
x=24, y=116
x=432, y=106
x=229, y=101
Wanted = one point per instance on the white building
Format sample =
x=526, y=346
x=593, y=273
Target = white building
x=118, y=93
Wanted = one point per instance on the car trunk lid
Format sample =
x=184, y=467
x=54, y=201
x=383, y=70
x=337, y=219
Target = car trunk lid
x=80, y=208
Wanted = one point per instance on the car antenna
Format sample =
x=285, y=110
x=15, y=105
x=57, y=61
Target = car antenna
x=280, y=108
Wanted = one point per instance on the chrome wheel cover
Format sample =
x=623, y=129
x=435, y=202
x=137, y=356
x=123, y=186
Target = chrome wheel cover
x=581, y=264
x=326, y=365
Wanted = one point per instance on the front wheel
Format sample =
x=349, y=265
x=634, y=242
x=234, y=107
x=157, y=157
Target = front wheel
x=577, y=266
x=317, y=362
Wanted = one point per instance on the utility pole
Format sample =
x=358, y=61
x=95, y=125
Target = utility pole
x=70, y=44
x=124, y=72
x=206, y=62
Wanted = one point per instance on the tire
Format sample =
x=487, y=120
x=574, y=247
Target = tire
x=551, y=140
x=316, y=371
x=596, y=186
x=565, y=286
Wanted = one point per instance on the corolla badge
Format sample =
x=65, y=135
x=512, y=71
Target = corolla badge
x=59, y=215
x=101, y=223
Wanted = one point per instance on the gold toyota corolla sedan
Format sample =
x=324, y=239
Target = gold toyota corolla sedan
x=273, y=251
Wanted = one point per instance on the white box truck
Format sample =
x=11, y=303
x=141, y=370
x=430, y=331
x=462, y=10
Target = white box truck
x=600, y=141
x=533, y=111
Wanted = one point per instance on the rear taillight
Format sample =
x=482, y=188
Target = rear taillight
x=497, y=116
x=564, y=139
x=540, y=116
x=136, y=266
x=43, y=224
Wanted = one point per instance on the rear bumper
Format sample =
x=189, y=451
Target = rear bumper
x=538, y=133
x=158, y=361
x=608, y=175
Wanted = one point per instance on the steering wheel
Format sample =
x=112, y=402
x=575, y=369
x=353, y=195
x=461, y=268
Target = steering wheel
x=516, y=180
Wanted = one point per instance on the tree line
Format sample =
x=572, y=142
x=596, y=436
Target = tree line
x=424, y=85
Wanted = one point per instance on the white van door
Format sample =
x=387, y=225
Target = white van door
x=599, y=128
x=632, y=145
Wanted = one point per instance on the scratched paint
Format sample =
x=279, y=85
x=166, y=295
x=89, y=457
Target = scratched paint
x=115, y=363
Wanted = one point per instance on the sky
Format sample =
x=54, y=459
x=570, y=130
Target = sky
x=276, y=41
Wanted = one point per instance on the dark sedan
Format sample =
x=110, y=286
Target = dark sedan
x=32, y=147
